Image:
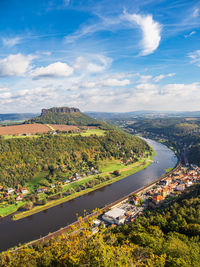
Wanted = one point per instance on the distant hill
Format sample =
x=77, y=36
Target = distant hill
x=12, y=117
x=141, y=113
x=63, y=115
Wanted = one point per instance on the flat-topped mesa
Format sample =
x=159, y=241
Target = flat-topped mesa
x=60, y=110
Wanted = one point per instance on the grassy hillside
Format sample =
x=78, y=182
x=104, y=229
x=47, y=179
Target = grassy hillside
x=74, y=118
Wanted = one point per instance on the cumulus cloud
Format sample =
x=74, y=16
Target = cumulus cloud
x=195, y=57
x=4, y=89
x=151, y=31
x=57, y=69
x=15, y=65
x=141, y=96
x=144, y=78
x=96, y=63
x=102, y=83
x=11, y=41
x=162, y=76
x=116, y=82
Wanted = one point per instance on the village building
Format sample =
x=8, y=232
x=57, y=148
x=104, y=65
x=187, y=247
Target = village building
x=24, y=191
x=66, y=181
x=19, y=198
x=158, y=199
x=10, y=190
x=115, y=216
x=180, y=187
x=42, y=190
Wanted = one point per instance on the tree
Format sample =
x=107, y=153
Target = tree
x=116, y=173
x=29, y=205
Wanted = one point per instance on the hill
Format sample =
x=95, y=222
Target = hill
x=63, y=115
x=15, y=117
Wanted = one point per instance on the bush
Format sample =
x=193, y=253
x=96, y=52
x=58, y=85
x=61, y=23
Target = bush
x=116, y=173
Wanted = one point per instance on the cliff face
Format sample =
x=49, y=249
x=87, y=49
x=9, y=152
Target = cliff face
x=60, y=110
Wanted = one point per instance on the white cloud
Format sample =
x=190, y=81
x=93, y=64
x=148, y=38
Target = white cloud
x=96, y=63
x=144, y=78
x=190, y=34
x=115, y=82
x=4, y=89
x=195, y=57
x=162, y=76
x=15, y=65
x=11, y=41
x=195, y=13
x=104, y=24
x=151, y=31
x=56, y=69
x=91, y=96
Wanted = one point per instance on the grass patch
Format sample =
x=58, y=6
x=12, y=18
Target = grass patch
x=5, y=211
x=168, y=170
x=38, y=179
x=110, y=165
x=97, y=132
x=20, y=136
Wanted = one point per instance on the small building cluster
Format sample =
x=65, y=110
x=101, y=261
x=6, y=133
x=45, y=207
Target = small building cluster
x=161, y=192
x=20, y=194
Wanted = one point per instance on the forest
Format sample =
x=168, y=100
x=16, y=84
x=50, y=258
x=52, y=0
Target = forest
x=179, y=131
x=167, y=236
x=22, y=159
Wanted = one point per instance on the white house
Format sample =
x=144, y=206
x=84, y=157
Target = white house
x=10, y=190
x=115, y=216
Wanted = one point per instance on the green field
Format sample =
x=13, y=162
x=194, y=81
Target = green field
x=98, y=132
x=4, y=211
x=111, y=165
x=20, y=136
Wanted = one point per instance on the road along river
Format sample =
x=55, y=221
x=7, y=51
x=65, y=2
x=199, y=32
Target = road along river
x=38, y=225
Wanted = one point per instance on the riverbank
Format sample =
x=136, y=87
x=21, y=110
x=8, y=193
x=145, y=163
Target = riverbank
x=96, y=213
x=123, y=174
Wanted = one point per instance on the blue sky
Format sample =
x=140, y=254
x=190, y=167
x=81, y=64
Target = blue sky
x=99, y=55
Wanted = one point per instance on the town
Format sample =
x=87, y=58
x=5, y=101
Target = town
x=160, y=193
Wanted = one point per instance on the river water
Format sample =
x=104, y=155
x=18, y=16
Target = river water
x=35, y=226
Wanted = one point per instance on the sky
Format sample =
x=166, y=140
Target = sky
x=98, y=55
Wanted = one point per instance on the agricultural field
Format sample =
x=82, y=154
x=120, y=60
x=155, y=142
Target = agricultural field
x=62, y=127
x=23, y=130
x=28, y=129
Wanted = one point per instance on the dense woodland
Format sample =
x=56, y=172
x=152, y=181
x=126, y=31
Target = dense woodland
x=21, y=159
x=168, y=126
x=180, y=131
x=168, y=236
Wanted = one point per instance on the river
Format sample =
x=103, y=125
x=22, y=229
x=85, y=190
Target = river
x=35, y=226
